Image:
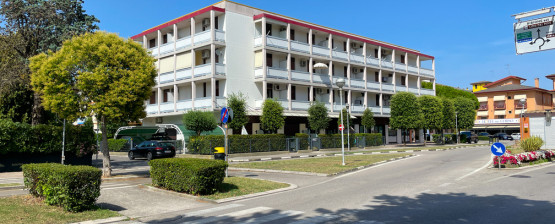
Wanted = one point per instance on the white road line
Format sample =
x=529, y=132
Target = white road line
x=370, y=222
x=475, y=171
x=444, y=185
x=316, y=219
x=526, y=171
x=272, y=217
x=211, y=210
x=230, y=215
x=264, y=159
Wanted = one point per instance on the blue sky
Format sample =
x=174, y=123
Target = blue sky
x=472, y=40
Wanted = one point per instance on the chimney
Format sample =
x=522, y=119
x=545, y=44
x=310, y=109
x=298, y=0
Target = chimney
x=537, y=82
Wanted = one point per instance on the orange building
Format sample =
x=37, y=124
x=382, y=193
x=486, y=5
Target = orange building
x=501, y=104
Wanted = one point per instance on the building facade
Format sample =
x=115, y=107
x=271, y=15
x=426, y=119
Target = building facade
x=227, y=48
x=479, y=86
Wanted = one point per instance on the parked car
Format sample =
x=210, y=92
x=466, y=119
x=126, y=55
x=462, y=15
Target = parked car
x=503, y=136
x=516, y=136
x=151, y=150
x=483, y=134
x=136, y=140
x=470, y=136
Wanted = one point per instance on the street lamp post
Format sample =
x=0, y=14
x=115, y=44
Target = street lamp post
x=348, y=127
x=340, y=83
x=457, y=125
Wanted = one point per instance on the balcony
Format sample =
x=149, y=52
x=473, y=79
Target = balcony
x=300, y=76
x=430, y=92
x=300, y=47
x=204, y=102
x=166, y=107
x=426, y=72
x=202, y=37
x=221, y=101
x=277, y=73
x=284, y=103
x=300, y=105
x=317, y=78
x=258, y=41
x=152, y=108
x=166, y=77
x=400, y=67
x=277, y=42
x=373, y=85
x=413, y=69
x=220, y=69
x=386, y=110
x=357, y=83
x=202, y=70
x=166, y=48
x=357, y=58
x=342, y=55
x=319, y=50
x=357, y=109
x=183, y=105
x=183, y=43
x=413, y=90
x=387, y=64
x=184, y=73
x=258, y=73
x=337, y=107
x=154, y=51
x=401, y=88
x=373, y=61
x=220, y=36
x=387, y=87
x=376, y=110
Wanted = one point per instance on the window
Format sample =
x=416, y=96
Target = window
x=152, y=43
x=166, y=93
x=216, y=22
x=344, y=46
x=377, y=76
x=292, y=63
x=499, y=105
x=344, y=71
x=500, y=117
x=217, y=87
x=293, y=93
x=165, y=38
x=269, y=60
x=153, y=97
x=204, y=89
x=376, y=53
x=402, y=59
x=345, y=96
x=269, y=90
x=518, y=105
x=403, y=80
x=313, y=39
x=269, y=29
x=392, y=132
x=377, y=100
x=292, y=34
x=476, y=86
x=483, y=106
x=509, y=97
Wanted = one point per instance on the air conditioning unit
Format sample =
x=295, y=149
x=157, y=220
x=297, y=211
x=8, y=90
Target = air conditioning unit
x=302, y=63
x=206, y=22
x=384, y=79
x=318, y=91
x=278, y=87
x=356, y=70
x=282, y=28
x=205, y=54
x=354, y=45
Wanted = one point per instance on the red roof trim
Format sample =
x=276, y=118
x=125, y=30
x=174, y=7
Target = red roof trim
x=335, y=33
x=185, y=17
x=503, y=79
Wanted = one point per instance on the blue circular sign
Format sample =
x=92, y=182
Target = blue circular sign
x=224, y=115
x=498, y=149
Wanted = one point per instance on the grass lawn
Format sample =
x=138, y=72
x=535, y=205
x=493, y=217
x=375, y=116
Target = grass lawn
x=27, y=209
x=238, y=186
x=327, y=165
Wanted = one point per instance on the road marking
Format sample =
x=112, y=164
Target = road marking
x=215, y=209
x=316, y=219
x=230, y=215
x=286, y=157
x=444, y=185
x=272, y=217
x=475, y=171
x=370, y=222
x=264, y=159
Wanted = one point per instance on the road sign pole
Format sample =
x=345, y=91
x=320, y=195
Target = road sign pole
x=225, y=147
x=498, y=163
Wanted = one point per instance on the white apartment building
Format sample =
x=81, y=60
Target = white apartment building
x=228, y=48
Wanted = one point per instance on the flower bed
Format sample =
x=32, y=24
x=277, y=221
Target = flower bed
x=517, y=160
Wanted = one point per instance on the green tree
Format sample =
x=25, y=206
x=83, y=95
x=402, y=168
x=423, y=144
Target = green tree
x=367, y=119
x=272, y=116
x=199, y=121
x=405, y=112
x=448, y=115
x=238, y=103
x=318, y=117
x=432, y=112
x=98, y=73
x=466, y=112
x=346, y=115
x=32, y=27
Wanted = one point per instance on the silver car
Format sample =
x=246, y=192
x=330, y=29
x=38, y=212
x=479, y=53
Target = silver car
x=516, y=136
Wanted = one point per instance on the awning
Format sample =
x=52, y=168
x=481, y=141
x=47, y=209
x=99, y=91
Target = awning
x=521, y=96
x=483, y=99
x=498, y=98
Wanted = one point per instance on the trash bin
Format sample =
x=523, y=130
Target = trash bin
x=219, y=153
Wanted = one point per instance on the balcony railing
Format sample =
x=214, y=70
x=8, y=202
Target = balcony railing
x=413, y=90
x=401, y=88
x=258, y=73
x=342, y=55
x=277, y=73
x=202, y=37
x=485, y=107
x=202, y=70
x=204, y=102
x=387, y=87
x=166, y=77
x=220, y=35
x=319, y=50
x=376, y=110
x=284, y=103
x=413, y=69
x=357, y=108
x=300, y=46
x=184, y=73
x=400, y=67
x=372, y=61
x=357, y=58
x=221, y=101
x=166, y=48
x=183, y=105
x=317, y=78
x=258, y=41
x=337, y=107
x=300, y=105
x=358, y=83
x=387, y=64
x=276, y=42
x=220, y=69
x=166, y=107
x=372, y=85
x=386, y=110
x=154, y=51
x=426, y=72
x=152, y=108
x=300, y=76
x=183, y=43
x=427, y=92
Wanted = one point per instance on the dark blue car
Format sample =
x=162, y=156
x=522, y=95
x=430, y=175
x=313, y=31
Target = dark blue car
x=151, y=150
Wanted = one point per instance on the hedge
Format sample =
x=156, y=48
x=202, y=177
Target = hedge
x=75, y=188
x=449, y=138
x=372, y=139
x=237, y=143
x=483, y=138
x=304, y=141
x=192, y=176
x=116, y=145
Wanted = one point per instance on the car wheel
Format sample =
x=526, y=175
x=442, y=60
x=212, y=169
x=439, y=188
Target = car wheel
x=149, y=156
x=131, y=155
x=475, y=140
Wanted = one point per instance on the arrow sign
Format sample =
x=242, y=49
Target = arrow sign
x=498, y=149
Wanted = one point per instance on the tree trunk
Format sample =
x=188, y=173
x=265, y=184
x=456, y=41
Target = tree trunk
x=404, y=137
x=424, y=136
x=37, y=110
x=442, y=138
x=106, y=166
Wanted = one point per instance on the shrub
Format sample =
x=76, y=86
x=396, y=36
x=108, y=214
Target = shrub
x=449, y=138
x=116, y=145
x=192, y=176
x=486, y=138
x=462, y=138
x=371, y=139
x=237, y=143
x=533, y=143
x=75, y=188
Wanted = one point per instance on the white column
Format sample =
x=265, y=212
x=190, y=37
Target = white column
x=159, y=98
x=213, y=92
x=264, y=89
x=331, y=99
x=145, y=42
x=386, y=130
x=349, y=92
x=393, y=57
x=407, y=82
x=349, y=50
x=310, y=41
x=330, y=44
x=434, y=73
x=365, y=78
x=330, y=72
x=264, y=63
x=175, y=97
x=288, y=36
x=193, y=31
x=212, y=26
x=289, y=66
x=418, y=85
x=365, y=100
x=380, y=55
x=418, y=64
x=193, y=62
x=310, y=69
x=381, y=103
x=193, y=93
x=311, y=93
x=394, y=81
x=174, y=36
x=213, y=59
x=364, y=51
x=349, y=75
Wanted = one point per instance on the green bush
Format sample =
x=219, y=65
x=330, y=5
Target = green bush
x=116, y=145
x=237, y=143
x=534, y=143
x=486, y=138
x=75, y=188
x=449, y=138
x=462, y=138
x=192, y=176
x=372, y=139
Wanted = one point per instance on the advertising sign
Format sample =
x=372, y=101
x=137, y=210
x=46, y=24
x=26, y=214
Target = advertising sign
x=534, y=35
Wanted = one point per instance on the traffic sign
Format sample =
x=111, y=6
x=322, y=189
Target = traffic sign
x=224, y=115
x=498, y=149
x=341, y=127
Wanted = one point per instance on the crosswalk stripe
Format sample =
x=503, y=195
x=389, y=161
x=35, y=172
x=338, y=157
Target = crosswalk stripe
x=211, y=210
x=230, y=215
x=316, y=219
x=273, y=217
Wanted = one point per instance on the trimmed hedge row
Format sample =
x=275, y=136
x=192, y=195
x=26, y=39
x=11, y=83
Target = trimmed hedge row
x=237, y=143
x=304, y=141
x=372, y=139
x=75, y=188
x=192, y=176
x=334, y=140
x=483, y=138
x=116, y=145
x=449, y=138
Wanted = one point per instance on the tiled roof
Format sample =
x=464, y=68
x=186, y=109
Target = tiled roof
x=513, y=87
x=503, y=79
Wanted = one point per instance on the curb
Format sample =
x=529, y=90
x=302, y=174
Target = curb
x=276, y=158
x=525, y=167
x=108, y=220
x=219, y=201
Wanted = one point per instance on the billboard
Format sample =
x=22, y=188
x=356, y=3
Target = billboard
x=534, y=35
